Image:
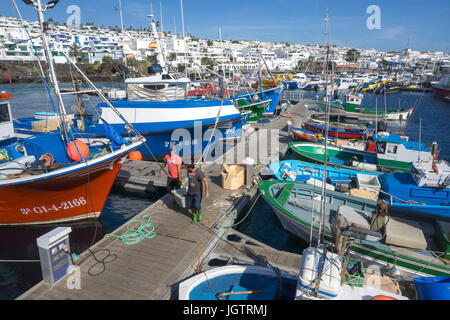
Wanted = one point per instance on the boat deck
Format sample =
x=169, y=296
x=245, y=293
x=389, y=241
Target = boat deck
x=152, y=268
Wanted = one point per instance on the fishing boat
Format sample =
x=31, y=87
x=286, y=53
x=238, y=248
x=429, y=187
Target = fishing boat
x=351, y=109
x=432, y=288
x=253, y=282
x=160, y=84
x=414, y=246
x=387, y=152
x=424, y=191
x=273, y=94
x=55, y=177
x=442, y=88
x=256, y=109
x=287, y=79
x=302, y=135
x=302, y=171
x=336, y=132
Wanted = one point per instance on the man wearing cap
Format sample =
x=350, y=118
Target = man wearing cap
x=173, y=163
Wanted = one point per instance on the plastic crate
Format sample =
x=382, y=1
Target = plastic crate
x=357, y=279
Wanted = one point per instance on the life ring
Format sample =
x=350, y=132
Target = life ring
x=383, y=297
x=47, y=160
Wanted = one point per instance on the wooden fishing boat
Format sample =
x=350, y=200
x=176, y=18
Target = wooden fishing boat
x=255, y=109
x=422, y=192
x=415, y=247
x=302, y=135
x=338, y=132
x=305, y=170
x=61, y=192
x=351, y=109
x=55, y=177
x=388, y=152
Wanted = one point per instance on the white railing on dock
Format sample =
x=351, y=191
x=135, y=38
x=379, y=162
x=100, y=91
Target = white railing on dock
x=292, y=95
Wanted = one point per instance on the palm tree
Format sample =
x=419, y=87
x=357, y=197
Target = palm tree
x=172, y=56
x=75, y=51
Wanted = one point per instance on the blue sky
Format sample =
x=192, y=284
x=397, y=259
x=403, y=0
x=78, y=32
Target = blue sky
x=425, y=23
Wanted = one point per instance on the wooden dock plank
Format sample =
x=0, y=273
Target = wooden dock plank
x=152, y=268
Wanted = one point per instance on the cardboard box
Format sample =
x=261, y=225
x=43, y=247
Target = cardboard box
x=233, y=177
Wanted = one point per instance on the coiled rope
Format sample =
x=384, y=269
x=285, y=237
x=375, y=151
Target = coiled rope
x=145, y=230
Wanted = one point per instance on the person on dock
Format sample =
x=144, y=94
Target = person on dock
x=173, y=163
x=194, y=195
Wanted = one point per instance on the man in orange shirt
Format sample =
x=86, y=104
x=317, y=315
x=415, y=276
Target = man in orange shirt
x=173, y=163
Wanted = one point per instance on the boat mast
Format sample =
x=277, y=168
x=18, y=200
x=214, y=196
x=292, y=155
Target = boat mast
x=159, y=56
x=161, y=15
x=376, y=116
x=121, y=16
x=182, y=17
x=62, y=112
x=321, y=235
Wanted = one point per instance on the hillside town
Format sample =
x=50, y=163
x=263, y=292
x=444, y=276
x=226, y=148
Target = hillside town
x=93, y=45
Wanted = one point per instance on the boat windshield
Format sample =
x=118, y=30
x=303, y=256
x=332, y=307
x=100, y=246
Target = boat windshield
x=4, y=113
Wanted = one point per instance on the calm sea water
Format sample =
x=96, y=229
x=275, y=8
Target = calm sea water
x=19, y=243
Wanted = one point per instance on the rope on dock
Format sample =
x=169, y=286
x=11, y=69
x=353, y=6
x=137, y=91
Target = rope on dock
x=138, y=234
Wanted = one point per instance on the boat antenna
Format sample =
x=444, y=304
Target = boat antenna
x=161, y=14
x=376, y=116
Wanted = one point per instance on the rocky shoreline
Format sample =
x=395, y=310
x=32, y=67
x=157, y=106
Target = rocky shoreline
x=28, y=72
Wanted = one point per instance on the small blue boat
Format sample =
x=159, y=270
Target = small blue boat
x=290, y=85
x=305, y=170
x=252, y=282
x=432, y=288
x=239, y=283
x=424, y=191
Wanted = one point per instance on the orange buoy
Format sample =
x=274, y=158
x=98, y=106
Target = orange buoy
x=73, y=147
x=135, y=155
x=383, y=297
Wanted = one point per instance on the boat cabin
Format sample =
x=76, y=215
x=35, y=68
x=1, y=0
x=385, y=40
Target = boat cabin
x=391, y=147
x=352, y=101
x=431, y=174
x=6, y=123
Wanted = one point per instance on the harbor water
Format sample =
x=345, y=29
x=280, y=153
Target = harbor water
x=19, y=243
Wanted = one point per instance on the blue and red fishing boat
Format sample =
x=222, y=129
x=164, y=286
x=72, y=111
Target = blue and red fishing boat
x=335, y=132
